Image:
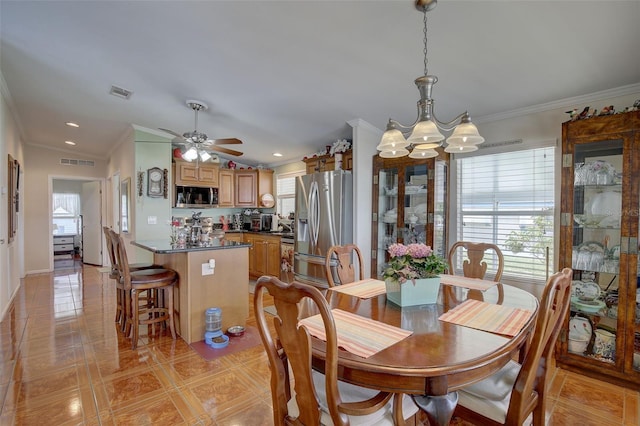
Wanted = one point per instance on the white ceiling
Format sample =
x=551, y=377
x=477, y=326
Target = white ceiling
x=287, y=75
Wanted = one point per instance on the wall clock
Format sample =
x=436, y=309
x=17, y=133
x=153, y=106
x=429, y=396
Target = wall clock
x=155, y=182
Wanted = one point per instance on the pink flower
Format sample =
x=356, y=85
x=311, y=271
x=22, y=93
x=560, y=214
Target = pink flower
x=396, y=250
x=418, y=251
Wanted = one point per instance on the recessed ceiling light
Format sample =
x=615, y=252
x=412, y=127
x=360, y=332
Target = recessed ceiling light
x=71, y=124
x=277, y=154
x=70, y=142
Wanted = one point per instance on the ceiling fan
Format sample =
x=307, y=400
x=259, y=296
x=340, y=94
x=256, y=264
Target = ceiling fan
x=196, y=145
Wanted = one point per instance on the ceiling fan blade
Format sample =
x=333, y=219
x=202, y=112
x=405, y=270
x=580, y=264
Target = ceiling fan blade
x=171, y=132
x=225, y=150
x=227, y=141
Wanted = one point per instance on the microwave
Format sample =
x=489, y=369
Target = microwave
x=196, y=197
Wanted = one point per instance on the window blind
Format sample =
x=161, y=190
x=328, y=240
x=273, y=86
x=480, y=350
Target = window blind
x=508, y=199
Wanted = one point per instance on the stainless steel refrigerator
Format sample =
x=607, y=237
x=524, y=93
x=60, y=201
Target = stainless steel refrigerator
x=323, y=218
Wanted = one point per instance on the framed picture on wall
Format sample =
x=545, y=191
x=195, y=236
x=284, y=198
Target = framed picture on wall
x=13, y=182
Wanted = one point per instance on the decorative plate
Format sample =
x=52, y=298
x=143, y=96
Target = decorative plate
x=589, y=306
x=267, y=201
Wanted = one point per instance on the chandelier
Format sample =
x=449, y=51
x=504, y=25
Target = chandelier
x=425, y=134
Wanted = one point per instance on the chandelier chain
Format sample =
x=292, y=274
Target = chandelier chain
x=424, y=50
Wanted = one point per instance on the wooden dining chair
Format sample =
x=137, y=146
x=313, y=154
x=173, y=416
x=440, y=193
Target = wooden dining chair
x=509, y=396
x=316, y=398
x=153, y=281
x=475, y=265
x=339, y=266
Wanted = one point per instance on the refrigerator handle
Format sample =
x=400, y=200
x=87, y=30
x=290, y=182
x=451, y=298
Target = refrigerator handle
x=313, y=213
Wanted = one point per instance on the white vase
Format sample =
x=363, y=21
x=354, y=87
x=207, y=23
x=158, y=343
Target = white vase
x=338, y=156
x=410, y=293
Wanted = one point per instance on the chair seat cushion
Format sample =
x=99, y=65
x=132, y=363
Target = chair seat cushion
x=491, y=396
x=148, y=276
x=352, y=393
x=497, y=386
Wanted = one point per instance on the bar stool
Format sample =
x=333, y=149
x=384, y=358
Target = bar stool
x=135, y=283
x=114, y=273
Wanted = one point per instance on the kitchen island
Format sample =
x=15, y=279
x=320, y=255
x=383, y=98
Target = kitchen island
x=225, y=285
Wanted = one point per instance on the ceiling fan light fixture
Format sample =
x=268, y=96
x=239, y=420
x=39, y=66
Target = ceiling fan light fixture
x=204, y=155
x=190, y=154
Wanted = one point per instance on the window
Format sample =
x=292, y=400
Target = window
x=508, y=199
x=286, y=190
x=66, y=213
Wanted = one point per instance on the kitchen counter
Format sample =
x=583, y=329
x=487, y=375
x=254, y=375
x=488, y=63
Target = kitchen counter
x=164, y=246
x=225, y=286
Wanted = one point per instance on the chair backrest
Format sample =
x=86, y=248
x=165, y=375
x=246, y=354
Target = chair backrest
x=111, y=252
x=293, y=343
x=475, y=265
x=338, y=263
x=122, y=261
x=531, y=382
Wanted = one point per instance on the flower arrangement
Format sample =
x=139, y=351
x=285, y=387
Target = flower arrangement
x=340, y=146
x=413, y=261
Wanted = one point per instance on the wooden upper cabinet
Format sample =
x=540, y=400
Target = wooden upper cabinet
x=226, y=188
x=203, y=175
x=246, y=190
x=265, y=185
x=325, y=163
x=251, y=185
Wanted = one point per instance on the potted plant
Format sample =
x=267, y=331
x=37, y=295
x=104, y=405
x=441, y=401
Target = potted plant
x=412, y=276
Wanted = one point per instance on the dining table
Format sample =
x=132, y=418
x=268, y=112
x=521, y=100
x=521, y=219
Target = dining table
x=438, y=348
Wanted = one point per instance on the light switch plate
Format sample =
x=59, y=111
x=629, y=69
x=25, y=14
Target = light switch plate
x=206, y=270
x=152, y=220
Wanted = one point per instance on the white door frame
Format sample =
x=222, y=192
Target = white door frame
x=50, y=210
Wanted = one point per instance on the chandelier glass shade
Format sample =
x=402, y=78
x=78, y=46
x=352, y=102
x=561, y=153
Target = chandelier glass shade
x=425, y=133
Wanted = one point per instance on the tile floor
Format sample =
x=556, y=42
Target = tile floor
x=65, y=363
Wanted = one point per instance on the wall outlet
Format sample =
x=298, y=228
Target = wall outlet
x=206, y=269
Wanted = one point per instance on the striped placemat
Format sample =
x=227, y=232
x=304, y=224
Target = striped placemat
x=360, y=336
x=488, y=317
x=363, y=289
x=471, y=283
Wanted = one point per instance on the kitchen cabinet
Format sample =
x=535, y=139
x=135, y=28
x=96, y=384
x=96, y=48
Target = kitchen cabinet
x=234, y=236
x=226, y=188
x=187, y=174
x=323, y=163
x=409, y=205
x=599, y=241
x=264, y=254
x=251, y=185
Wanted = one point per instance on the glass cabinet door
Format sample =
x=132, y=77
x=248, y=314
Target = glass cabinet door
x=596, y=251
x=387, y=227
x=409, y=205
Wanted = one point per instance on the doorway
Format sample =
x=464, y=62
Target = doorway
x=76, y=218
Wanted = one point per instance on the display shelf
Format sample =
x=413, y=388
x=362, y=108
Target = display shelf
x=599, y=240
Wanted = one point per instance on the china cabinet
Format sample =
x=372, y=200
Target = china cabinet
x=599, y=239
x=409, y=205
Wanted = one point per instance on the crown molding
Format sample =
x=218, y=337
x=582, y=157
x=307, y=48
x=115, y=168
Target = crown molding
x=562, y=103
